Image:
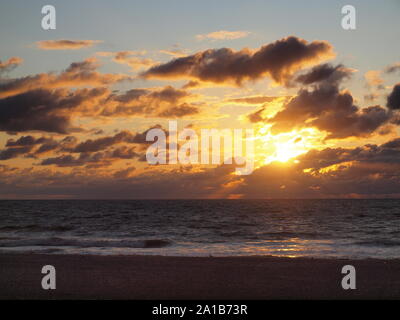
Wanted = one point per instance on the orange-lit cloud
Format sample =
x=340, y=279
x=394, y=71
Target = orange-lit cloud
x=223, y=35
x=65, y=44
x=373, y=78
x=77, y=74
x=133, y=59
x=10, y=64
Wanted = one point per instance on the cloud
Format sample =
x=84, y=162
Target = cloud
x=131, y=58
x=71, y=161
x=371, y=97
x=164, y=103
x=35, y=147
x=178, y=53
x=366, y=171
x=22, y=146
x=393, y=100
x=103, y=143
x=256, y=116
x=26, y=141
x=77, y=74
x=41, y=103
x=252, y=100
x=124, y=173
x=10, y=64
x=10, y=153
x=120, y=183
x=278, y=60
x=316, y=160
x=64, y=44
x=223, y=35
x=373, y=78
x=325, y=72
x=392, y=68
x=327, y=108
x=45, y=110
x=90, y=159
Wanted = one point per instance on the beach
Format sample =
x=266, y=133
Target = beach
x=162, y=277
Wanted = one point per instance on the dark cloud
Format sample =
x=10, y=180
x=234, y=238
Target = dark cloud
x=394, y=144
x=47, y=147
x=393, y=100
x=30, y=146
x=36, y=147
x=253, y=100
x=84, y=159
x=65, y=161
x=324, y=72
x=43, y=102
x=26, y=141
x=10, y=153
x=43, y=109
x=328, y=109
x=102, y=143
x=53, y=110
x=279, y=60
x=384, y=154
x=123, y=152
x=100, y=159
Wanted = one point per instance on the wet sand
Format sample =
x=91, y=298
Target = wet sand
x=156, y=277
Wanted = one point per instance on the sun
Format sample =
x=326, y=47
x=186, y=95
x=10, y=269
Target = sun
x=286, y=146
x=287, y=150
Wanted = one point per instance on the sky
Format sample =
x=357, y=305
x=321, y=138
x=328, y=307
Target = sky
x=77, y=102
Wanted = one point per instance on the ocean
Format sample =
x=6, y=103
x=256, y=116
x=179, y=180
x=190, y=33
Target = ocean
x=293, y=228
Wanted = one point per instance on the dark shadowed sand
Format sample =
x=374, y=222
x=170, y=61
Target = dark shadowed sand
x=155, y=277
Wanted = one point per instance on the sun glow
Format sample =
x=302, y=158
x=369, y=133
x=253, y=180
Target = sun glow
x=286, y=146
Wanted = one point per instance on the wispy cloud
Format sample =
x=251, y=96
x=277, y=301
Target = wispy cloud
x=65, y=44
x=10, y=64
x=134, y=59
x=175, y=53
x=223, y=35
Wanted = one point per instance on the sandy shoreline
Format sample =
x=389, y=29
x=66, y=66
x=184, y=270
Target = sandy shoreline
x=157, y=277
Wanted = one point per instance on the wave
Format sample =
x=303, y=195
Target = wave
x=36, y=228
x=378, y=243
x=86, y=243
